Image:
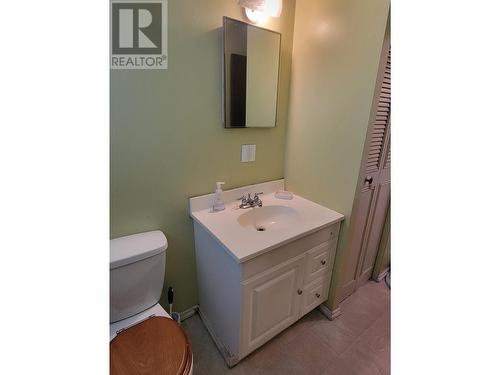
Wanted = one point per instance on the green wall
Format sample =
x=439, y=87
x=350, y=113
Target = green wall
x=337, y=45
x=167, y=138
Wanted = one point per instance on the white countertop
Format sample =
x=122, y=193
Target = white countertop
x=245, y=242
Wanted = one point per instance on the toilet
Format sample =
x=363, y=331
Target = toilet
x=144, y=339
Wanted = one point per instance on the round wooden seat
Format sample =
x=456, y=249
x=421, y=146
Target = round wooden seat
x=156, y=346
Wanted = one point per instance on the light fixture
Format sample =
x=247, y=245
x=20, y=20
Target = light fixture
x=259, y=11
x=274, y=7
x=256, y=16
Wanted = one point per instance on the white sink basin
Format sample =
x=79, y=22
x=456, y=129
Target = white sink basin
x=269, y=218
x=237, y=230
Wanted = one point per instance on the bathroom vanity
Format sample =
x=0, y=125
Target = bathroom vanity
x=260, y=269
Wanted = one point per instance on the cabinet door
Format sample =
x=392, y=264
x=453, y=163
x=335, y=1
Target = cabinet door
x=270, y=303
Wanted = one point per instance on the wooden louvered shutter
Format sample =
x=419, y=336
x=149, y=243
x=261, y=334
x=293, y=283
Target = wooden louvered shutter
x=387, y=162
x=374, y=183
x=381, y=124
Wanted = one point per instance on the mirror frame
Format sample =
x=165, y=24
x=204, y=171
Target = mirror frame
x=225, y=19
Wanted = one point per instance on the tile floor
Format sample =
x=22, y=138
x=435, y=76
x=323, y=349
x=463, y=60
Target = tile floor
x=355, y=343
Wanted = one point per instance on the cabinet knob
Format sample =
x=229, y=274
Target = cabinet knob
x=323, y=262
x=299, y=292
x=318, y=295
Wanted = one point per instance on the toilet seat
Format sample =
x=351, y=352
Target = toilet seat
x=157, y=345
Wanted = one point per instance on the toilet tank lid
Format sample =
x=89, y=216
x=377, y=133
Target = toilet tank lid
x=130, y=249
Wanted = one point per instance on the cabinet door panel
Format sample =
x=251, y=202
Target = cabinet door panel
x=270, y=303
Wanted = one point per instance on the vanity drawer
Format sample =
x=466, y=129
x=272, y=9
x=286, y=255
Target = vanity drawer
x=290, y=250
x=318, y=261
x=314, y=294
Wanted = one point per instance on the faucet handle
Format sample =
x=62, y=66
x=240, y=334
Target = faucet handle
x=242, y=198
x=256, y=199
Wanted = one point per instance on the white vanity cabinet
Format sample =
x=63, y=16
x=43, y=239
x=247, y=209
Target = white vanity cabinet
x=253, y=284
x=245, y=304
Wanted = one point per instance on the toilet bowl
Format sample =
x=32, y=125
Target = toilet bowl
x=143, y=337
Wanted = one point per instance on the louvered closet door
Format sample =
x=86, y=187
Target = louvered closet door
x=373, y=192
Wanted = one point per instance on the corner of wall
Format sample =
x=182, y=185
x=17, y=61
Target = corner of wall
x=334, y=71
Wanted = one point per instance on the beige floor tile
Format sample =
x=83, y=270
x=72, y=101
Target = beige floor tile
x=334, y=333
x=206, y=357
x=356, y=361
x=309, y=351
x=272, y=359
x=363, y=308
x=376, y=342
x=356, y=343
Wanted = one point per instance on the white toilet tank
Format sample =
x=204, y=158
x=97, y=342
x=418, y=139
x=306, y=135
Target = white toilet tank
x=137, y=271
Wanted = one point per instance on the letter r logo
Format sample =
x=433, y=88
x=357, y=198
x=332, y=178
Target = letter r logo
x=138, y=34
x=136, y=28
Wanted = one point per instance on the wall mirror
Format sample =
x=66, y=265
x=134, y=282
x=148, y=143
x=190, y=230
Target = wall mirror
x=251, y=70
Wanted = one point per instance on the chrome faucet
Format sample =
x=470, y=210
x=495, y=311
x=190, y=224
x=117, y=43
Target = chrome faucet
x=248, y=202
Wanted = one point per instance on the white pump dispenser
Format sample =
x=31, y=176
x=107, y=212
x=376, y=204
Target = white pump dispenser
x=218, y=203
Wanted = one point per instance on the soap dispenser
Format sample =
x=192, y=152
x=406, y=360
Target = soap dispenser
x=218, y=203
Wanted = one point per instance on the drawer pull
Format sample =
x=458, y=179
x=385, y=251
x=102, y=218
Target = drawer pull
x=299, y=292
x=318, y=295
x=323, y=262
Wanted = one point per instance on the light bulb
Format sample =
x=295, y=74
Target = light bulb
x=256, y=16
x=265, y=9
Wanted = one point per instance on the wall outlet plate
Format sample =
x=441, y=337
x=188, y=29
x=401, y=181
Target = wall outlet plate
x=248, y=153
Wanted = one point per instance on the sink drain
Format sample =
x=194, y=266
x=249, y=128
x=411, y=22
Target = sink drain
x=261, y=229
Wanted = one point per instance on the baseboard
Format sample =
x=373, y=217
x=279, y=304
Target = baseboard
x=230, y=359
x=382, y=275
x=189, y=312
x=330, y=314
